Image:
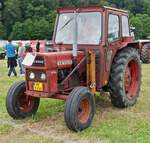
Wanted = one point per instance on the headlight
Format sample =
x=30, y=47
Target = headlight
x=31, y=75
x=43, y=76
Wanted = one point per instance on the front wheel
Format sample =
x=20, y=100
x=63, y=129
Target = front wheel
x=79, y=109
x=125, y=78
x=18, y=104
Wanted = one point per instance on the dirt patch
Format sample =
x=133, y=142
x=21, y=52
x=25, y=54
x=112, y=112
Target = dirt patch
x=47, y=128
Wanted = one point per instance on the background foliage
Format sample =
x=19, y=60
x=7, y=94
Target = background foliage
x=34, y=19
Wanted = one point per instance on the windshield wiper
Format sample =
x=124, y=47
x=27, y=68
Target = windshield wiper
x=66, y=24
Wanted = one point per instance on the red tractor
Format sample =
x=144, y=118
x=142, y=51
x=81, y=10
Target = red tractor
x=92, y=52
x=145, y=50
x=144, y=46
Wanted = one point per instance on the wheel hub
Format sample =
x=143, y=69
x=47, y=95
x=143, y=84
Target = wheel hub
x=127, y=79
x=131, y=79
x=84, y=110
x=26, y=103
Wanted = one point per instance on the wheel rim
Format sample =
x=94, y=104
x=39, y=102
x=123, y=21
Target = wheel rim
x=131, y=79
x=149, y=54
x=26, y=103
x=84, y=110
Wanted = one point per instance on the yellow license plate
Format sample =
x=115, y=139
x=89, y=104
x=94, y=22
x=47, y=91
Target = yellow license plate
x=38, y=86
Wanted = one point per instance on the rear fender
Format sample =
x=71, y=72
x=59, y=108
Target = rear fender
x=138, y=44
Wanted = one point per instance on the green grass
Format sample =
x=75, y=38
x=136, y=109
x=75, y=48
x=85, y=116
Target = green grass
x=5, y=128
x=110, y=125
x=32, y=139
x=2, y=49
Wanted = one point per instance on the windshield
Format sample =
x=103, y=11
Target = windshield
x=89, y=28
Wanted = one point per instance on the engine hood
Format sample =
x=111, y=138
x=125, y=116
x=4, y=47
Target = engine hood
x=56, y=60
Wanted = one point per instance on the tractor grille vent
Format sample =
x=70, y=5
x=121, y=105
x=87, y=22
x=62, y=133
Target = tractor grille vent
x=39, y=61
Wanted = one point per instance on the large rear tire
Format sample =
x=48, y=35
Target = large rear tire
x=125, y=78
x=79, y=109
x=18, y=104
x=145, y=54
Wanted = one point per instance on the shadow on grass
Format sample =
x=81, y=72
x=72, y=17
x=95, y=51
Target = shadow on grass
x=52, y=107
x=48, y=108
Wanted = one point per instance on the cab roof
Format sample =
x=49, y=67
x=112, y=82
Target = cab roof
x=91, y=8
x=115, y=9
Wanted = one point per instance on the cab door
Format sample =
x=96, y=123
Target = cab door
x=113, y=40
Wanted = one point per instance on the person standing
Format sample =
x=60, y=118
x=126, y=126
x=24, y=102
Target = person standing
x=21, y=51
x=11, y=57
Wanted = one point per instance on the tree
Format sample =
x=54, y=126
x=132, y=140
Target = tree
x=11, y=14
x=36, y=12
x=32, y=29
x=2, y=31
x=141, y=22
x=21, y=18
x=41, y=29
x=17, y=31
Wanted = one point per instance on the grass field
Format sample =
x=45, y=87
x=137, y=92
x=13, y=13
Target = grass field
x=110, y=125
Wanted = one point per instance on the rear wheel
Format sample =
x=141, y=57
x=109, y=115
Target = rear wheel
x=145, y=54
x=18, y=104
x=125, y=78
x=79, y=109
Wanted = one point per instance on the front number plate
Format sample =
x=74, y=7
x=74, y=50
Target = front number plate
x=38, y=86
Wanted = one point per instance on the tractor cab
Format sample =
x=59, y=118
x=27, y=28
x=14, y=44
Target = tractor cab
x=96, y=26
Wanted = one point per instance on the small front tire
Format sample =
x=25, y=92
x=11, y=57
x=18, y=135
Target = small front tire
x=79, y=109
x=18, y=104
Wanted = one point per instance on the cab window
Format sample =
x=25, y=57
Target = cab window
x=125, y=26
x=113, y=27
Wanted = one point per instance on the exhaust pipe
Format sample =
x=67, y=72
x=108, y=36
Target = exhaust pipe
x=38, y=46
x=75, y=38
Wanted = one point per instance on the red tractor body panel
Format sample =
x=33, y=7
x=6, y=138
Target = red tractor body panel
x=50, y=63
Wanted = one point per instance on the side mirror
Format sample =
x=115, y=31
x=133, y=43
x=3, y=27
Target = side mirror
x=132, y=30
